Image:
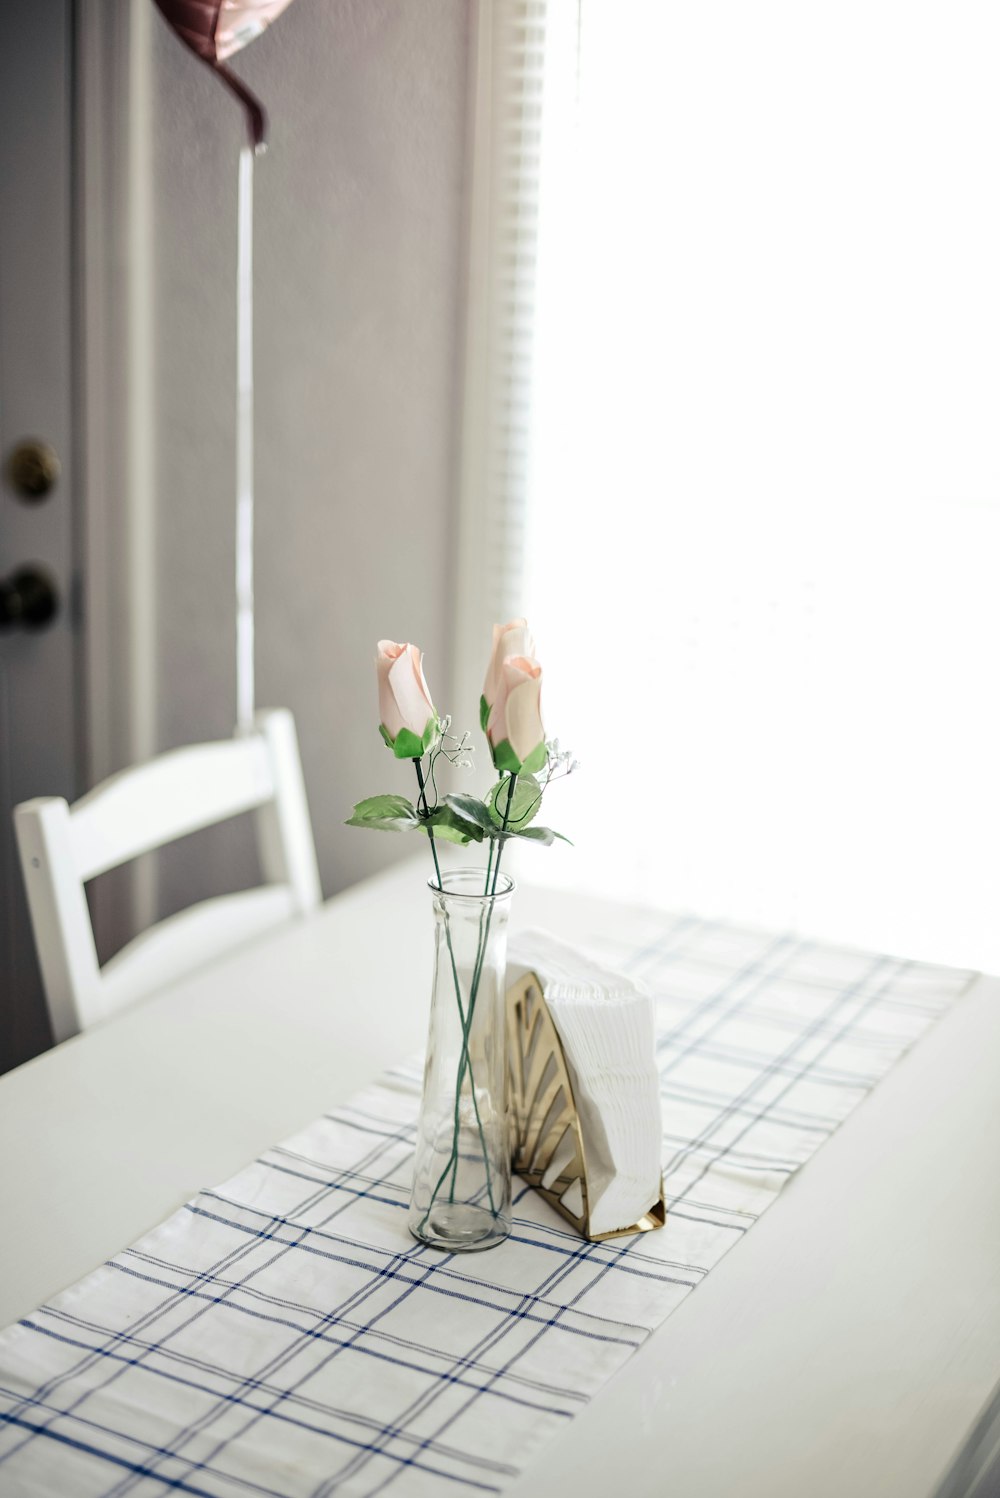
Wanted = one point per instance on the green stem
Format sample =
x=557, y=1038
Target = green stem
x=430, y=834
x=511, y=785
x=466, y=1060
x=484, y=937
x=452, y=1162
x=465, y=1057
x=465, y=1020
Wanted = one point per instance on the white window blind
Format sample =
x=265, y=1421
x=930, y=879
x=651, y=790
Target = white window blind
x=743, y=457
x=525, y=52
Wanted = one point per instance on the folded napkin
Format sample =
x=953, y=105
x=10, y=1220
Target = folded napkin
x=605, y=1025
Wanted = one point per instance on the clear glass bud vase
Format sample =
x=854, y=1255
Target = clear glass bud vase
x=461, y=1175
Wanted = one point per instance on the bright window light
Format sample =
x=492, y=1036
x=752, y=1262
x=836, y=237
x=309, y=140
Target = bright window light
x=764, y=467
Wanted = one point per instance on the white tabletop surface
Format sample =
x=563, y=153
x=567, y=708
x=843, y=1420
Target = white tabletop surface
x=846, y=1346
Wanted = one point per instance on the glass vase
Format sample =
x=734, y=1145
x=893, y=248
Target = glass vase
x=461, y=1176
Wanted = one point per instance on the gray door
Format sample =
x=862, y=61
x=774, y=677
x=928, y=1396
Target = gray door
x=39, y=706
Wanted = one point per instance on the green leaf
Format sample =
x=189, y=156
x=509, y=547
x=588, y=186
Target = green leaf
x=451, y=835
x=473, y=811
x=524, y=804
x=407, y=746
x=504, y=757
x=386, y=736
x=386, y=806
x=431, y=732
x=445, y=823
x=544, y=835
x=484, y=713
x=385, y=814
x=536, y=759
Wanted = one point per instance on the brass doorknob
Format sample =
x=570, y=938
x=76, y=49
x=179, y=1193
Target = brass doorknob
x=32, y=469
x=28, y=598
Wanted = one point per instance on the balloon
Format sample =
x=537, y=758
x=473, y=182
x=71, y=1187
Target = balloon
x=217, y=29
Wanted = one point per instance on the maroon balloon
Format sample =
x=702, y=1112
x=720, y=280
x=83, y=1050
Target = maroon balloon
x=215, y=30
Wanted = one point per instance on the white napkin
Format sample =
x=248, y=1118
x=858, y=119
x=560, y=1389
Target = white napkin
x=605, y=1024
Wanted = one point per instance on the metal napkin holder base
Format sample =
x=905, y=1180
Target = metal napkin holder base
x=543, y=1109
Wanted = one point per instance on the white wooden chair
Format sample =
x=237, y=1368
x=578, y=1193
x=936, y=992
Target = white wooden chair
x=142, y=808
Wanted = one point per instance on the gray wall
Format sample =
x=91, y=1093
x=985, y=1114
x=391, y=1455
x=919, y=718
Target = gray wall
x=358, y=249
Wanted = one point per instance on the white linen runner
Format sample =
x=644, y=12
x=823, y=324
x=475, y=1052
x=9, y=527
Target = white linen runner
x=283, y=1335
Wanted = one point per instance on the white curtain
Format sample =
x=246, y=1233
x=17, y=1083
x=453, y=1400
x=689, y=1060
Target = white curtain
x=757, y=532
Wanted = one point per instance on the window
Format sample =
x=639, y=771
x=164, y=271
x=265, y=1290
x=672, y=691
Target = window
x=751, y=498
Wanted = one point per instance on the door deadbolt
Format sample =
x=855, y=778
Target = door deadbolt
x=28, y=598
x=32, y=469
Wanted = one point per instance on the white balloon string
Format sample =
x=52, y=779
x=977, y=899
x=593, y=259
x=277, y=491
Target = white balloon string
x=244, y=446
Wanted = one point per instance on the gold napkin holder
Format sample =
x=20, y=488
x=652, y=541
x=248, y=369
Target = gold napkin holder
x=544, y=1115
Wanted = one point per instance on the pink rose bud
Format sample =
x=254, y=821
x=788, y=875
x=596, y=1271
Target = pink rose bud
x=409, y=723
x=514, y=728
x=508, y=639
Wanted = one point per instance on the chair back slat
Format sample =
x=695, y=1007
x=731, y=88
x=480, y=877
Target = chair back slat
x=156, y=803
x=60, y=918
x=63, y=846
x=284, y=832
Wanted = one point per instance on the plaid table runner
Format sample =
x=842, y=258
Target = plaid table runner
x=282, y=1334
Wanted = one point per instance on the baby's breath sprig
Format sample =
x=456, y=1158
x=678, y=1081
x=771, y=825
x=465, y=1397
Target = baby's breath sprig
x=457, y=751
x=558, y=763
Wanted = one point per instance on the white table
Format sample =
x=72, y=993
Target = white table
x=833, y=1352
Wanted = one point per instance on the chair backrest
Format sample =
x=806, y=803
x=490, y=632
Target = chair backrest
x=142, y=808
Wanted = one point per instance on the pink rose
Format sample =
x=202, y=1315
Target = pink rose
x=409, y=723
x=508, y=639
x=514, y=727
